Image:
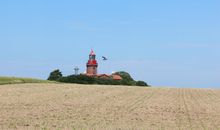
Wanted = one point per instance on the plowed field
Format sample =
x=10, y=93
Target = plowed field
x=66, y=106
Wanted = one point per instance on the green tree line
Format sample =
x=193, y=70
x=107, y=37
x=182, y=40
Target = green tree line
x=127, y=80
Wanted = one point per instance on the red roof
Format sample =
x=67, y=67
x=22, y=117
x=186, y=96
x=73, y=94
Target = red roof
x=116, y=77
x=104, y=76
x=100, y=75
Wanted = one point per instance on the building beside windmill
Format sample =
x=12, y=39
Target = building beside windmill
x=92, y=69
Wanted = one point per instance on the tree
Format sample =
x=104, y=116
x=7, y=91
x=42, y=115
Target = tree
x=141, y=83
x=55, y=75
x=84, y=79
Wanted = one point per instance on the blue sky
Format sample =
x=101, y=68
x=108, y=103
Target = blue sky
x=166, y=43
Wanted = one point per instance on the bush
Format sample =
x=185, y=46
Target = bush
x=84, y=79
x=81, y=79
x=107, y=81
x=141, y=83
x=55, y=75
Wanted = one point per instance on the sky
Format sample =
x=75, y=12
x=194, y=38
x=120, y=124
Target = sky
x=165, y=43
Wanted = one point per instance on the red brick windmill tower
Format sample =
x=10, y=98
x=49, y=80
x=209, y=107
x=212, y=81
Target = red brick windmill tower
x=92, y=64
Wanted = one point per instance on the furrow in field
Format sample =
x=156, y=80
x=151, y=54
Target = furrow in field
x=118, y=108
x=216, y=93
x=184, y=96
x=172, y=113
x=156, y=108
x=103, y=105
x=177, y=115
x=196, y=109
x=109, y=109
x=205, y=102
x=140, y=101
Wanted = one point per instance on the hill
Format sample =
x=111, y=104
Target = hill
x=16, y=80
x=73, y=106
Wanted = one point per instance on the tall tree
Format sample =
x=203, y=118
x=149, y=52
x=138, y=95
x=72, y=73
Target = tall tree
x=56, y=74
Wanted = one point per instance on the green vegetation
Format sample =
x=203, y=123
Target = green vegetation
x=128, y=80
x=83, y=79
x=141, y=83
x=56, y=75
x=15, y=80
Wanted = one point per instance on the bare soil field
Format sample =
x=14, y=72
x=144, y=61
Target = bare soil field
x=68, y=106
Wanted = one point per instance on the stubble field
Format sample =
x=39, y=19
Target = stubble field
x=68, y=106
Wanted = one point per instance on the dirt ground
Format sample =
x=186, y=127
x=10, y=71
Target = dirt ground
x=70, y=107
